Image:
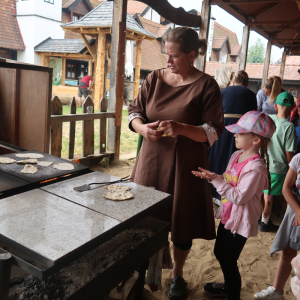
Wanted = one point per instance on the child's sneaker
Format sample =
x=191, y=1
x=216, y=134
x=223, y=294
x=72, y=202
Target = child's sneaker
x=215, y=289
x=268, y=294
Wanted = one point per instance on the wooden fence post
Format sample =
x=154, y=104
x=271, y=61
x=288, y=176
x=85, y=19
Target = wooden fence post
x=56, y=128
x=87, y=130
x=72, y=129
x=244, y=49
x=103, y=108
x=267, y=64
x=282, y=66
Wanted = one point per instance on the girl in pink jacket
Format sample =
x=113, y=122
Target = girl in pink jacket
x=241, y=187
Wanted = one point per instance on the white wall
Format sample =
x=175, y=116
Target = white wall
x=35, y=28
x=152, y=15
x=223, y=56
x=40, y=8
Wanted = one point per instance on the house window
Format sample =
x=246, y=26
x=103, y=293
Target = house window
x=71, y=71
x=75, y=18
x=49, y=1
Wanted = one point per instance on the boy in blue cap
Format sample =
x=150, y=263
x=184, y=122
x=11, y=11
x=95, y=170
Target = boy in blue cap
x=281, y=150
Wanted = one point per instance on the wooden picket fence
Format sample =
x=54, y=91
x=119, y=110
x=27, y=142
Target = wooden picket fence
x=88, y=143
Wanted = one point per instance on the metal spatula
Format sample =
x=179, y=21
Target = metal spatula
x=87, y=187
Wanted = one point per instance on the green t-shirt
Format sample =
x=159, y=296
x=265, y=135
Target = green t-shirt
x=283, y=140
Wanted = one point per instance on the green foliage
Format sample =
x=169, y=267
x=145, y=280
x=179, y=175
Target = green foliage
x=256, y=53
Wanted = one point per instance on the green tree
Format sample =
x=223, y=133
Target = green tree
x=256, y=53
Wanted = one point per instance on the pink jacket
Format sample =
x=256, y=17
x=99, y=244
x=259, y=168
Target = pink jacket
x=245, y=197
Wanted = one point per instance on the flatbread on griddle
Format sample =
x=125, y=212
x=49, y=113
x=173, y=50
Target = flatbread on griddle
x=29, y=155
x=45, y=163
x=29, y=169
x=63, y=166
x=6, y=160
x=117, y=188
x=118, y=196
x=27, y=161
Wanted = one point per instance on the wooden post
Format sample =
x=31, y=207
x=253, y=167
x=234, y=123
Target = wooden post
x=267, y=64
x=47, y=61
x=99, y=74
x=282, y=66
x=204, y=29
x=56, y=128
x=72, y=129
x=137, y=68
x=244, y=49
x=87, y=130
x=63, y=71
x=107, y=64
x=116, y=91
x=44, y=60
x=103, y=108
x=90, y=68
x=5, y=270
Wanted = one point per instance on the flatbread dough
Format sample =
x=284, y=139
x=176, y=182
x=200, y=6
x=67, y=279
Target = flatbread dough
x=27, y=161
x=6, y=160
x=29, y=155
x=45, y=163
x=63, y=166
x=118, y=196
x=117, y=188
x=29, y=169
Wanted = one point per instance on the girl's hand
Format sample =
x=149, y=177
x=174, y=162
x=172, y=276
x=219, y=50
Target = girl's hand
x=171, y=128
x=297, y=219
x=147, y=131
x=205, y=174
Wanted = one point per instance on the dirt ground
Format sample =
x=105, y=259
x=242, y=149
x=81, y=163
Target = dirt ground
x=256, y=266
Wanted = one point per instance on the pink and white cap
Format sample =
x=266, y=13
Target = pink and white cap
x=256, y=122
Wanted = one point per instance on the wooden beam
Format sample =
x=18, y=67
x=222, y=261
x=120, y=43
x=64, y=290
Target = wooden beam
x=89, y=46
x=47, y=61
x=107, y=64
x=84, y=30
x=228, y=2
x=244, y=49
x=116, y=91
x=263, y=10
x=43, y=60
x=175, y=15
x=204, y=29
x=63, y=71
x=137, y=68
x=282, y=66
x=274, y=23
x=82, y=117
x=90, y=68
x=267, y=64
x=66, y=55
x=99, y=67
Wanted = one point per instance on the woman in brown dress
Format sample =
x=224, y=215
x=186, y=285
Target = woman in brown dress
x=187, y=106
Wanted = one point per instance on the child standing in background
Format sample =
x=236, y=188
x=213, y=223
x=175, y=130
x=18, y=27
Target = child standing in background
x=241, y=187
x=281, y=150
x=295, y=119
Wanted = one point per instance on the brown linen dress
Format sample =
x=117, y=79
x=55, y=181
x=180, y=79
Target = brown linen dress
x=167, y=163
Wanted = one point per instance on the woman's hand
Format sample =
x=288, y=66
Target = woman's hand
x=147, y=131
x=205, y=174
x=297, y=219
x=171, y=128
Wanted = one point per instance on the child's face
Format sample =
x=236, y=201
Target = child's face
x=244, y=141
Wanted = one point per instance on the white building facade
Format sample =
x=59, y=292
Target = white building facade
x=38, y=20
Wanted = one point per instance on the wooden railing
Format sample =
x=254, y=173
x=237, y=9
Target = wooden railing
x=88, y=141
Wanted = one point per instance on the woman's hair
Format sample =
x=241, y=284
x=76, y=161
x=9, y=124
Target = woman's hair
x=188, y=40
x=274, y=84
x=242, y=78
x=263, y=151
x=224, y=76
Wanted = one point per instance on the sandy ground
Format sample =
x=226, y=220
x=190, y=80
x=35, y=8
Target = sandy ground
x=256, y=266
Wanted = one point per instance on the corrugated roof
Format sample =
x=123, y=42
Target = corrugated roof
x=102, y=16
x=63, y=46
x=10, y=35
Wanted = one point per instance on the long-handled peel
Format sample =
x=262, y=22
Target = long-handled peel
x=87, y=187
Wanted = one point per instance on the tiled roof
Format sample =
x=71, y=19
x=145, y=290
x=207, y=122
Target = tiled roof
x=220, y=30
x=218, y=42
x=135, y=7
x=101, y=16
x=10, y=36
x=255, y=71
x=235, y=49
x=67, y=3
x=153, y=27
x=63, y=46
x=290, y=61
